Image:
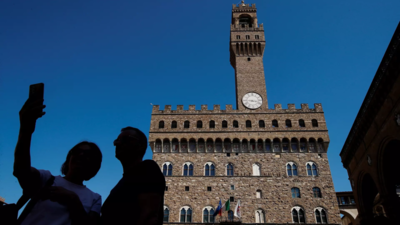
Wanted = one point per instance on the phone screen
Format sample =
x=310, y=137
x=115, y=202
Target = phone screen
x=36, y=91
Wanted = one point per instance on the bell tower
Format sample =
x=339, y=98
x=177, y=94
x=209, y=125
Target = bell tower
x=247, y=44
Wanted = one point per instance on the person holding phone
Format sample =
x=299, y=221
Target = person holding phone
x=65, y=200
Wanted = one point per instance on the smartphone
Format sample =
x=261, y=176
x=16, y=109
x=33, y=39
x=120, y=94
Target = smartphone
x=36, y=91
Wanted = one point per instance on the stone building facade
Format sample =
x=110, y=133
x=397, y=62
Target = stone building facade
x=273, y=160
x=371, y=151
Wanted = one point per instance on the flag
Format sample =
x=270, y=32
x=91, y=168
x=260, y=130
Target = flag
x=218, y=210
x=238, y=212
x=226, y=206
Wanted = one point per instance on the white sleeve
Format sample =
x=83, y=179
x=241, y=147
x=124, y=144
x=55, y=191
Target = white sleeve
x=96, y=207
x=44, y=176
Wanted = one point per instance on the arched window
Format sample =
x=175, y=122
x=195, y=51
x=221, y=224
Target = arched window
x=209, y=169
x=227, y=145
x=218, y=145
x=320, y=215
x=311, y=145
x=192, y=145
x=161, y=124
x=252, y=145
x=321, y=145
x=258, y=194
x=275, y=123
x=245, y=20
x=166, y=145
x=261, y=123
x=268, y=145
x=288, y=123
x=166, y=214
x=285, y=145
x=186, y=214
x=201, y=145
x=186, y=124
x=199, y=124
x=260, y=216
x=317, y=192
x=188, y=169
x=298, y=215
x=224, y=124
x=256, y=169
x=303, y=144
x=248, y=123
x=174, y=124
x=230, y=215
x=314, y=123
x=295, y=192
x=291, y=169
x=167, y=169
x=245, y=145
x=277, y=145
x=158, y=146
x=236, y=145
x=210, y=145
x=229, y=170
x=184, y=145
x=312, y=169
x=175, y=145
x=212, y=124
x=235, y=124
x=295, y=145
x=260, y=145
x=208, y=213
x=301, y=123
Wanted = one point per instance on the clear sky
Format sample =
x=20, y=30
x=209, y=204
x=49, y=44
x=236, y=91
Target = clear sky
x=104, y=62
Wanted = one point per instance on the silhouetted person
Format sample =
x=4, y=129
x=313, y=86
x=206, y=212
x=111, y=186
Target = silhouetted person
x=65, y=200
x=138, y=198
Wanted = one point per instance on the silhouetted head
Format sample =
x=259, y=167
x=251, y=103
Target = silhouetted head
x=131, y=144
x=83, y=161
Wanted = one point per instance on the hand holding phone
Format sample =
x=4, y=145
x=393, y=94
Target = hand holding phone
x=33, y=108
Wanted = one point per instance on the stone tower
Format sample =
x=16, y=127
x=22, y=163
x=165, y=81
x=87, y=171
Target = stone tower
x=247, y=49
x=273, y=160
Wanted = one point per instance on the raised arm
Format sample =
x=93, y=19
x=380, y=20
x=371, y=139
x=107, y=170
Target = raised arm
x=28, y=177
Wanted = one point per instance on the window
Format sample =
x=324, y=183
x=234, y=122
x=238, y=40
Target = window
x=230, y=215
x=228, y=154
x=248, y=59
x=167, y=169
x=186, y=214
x=268, y=145
x=303, y=144
x=291, y=169
x=248, y=123
x=261, y=123
x=277, y=145
x=314, y=123
x=320, y=145
x=188, y=169
x=238, y=37
x=158, y=145
x=161, y=125
x=260, y=216
x=258, y=194
x=288, y=123
x=209, y=189
x=312, y=169
x=298, y=215
x=275, y=123
x=320, y=215
x=317, y=192
x=199, y=124
x=166, y=214
x=186, y=188
x=301, y=123
x=232, y=199
x=209, y=169
x=232, y=187
x=212, y=124
x=174, y=124
x=295, y=192
x=208, y=213
x=295, y=145
x=224, y=124
x=247, y=37
x=256, y=169
x=186, y=124
x=229, y=170
x=285, y=145
x=166, y=188
x=235, y=124
x=257, y=36
x=236, y=145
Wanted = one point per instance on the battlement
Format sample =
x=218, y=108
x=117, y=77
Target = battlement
x=237, y=27
x=229, y=109
x=244, y=7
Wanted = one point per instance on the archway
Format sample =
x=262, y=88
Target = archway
x=368, y=192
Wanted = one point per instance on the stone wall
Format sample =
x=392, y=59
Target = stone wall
x=276, y=199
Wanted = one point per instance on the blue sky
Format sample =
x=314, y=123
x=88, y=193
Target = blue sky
x=104, y=62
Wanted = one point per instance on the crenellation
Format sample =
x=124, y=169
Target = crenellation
x=167, y=109
x=156, y=109
x=304, y=106
x=228, y=108
x=192, y=108
x=278, y=107
x=318, y=107
x=217, y=108
x=204, y=108
x=179, y=108
x=291, y=107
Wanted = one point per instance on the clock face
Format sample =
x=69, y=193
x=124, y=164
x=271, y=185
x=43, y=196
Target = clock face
x=252, y=100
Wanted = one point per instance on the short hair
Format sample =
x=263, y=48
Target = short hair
x=94, y=148
x=142, y=142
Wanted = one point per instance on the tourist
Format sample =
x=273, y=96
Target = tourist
x=138, y=198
